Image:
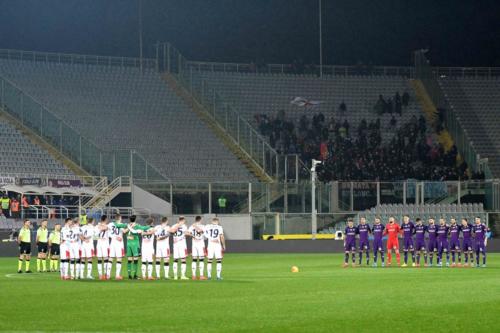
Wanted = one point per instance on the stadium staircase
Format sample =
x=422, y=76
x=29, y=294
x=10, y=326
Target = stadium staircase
x=223, y=136
x=431, y=113
x=107, y=192
x=39, y=141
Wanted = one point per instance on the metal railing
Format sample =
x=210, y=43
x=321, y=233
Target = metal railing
x=333, y=70
x=43, y=179
x=68, y=58
x=339, y=196
x=467, y=72
x=68, y=141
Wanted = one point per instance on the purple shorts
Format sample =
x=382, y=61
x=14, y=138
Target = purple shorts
x=454, y=244
x=364, y=244
x=408, y=244
x=443, y=245
x=432, y=246
x=378, y=244
x=467, y=245
x=420, y=245
x=479, y=246
x=350, y=245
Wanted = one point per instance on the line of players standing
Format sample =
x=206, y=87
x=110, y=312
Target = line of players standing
x=73, y=245
x=442, y=238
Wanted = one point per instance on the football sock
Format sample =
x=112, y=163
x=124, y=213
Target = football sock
x=20, y=265
x=118, y=268
x=367, y=257
x=158, y=269
x=89, y=268
x=27, y=263
x=143, y=270
x=166, y=266
x=202, y=267
x=150, y=269
x=99, y=267
x=219, y=268
x=209, y=269
x=183, y=269
x=38, y=264
x=174, y=268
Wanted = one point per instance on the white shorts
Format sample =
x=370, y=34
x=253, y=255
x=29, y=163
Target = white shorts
x=74, y=250
x=162, y=250
x=198, y=250
x=102, y=249
x=147, y=254
x=64, y=251
x=180, y=250
x=88, y=249
x=214, y=251
x=116, y=250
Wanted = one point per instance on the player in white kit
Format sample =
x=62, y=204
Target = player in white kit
x=162, y=234
x=88, y=234
x=147, y=250
x=196, y=232
x=75, y=250
x=180, y=247
x=216, y=245
x=102, y=249
x=64, y=248
x=116, y=230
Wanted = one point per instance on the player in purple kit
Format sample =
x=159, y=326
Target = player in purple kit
x=350, y=243
x=420, y=230
x=378, y=244
x=408, y=229
x=432, y=245
x=454, y=241
x=466, y=229
x=442, y=233
x=363, y=231
x=479, y=230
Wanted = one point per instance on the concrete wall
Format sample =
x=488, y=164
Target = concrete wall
x=10, y=249
x=144, y=199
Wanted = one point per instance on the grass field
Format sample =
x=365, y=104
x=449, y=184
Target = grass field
x=259, y=293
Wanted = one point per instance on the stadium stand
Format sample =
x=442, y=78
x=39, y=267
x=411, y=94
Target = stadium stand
x=354, y=112
x=118, y=107
x=18, y=155
x=476, y=102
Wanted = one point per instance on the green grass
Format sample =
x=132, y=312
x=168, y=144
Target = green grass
x=259, y=293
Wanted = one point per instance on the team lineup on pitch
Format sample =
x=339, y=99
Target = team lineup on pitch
x=72, y=246
x=474, y=241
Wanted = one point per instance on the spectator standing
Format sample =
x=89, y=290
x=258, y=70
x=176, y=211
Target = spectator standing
x=14, y=208
x=5, y=204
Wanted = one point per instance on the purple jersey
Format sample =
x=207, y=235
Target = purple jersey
x=363, y=230
x=350, y=239
x=479, y=232
x=408, y=230
x=378, y=231
x=442, y=232
x=466, y=231
x=420, y=230
x=432, y=230
x=454, y=232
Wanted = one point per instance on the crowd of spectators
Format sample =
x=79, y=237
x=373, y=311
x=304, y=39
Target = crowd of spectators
x=358, y=152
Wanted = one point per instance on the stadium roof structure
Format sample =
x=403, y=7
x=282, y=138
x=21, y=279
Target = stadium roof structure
x=49, y=190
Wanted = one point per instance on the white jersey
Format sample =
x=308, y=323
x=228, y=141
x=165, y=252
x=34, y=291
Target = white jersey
x=147, y=241
x=213, y=233
x=65, y=241
x=198, y=240
x=161, y=231
x=74, y=234
x=102, y=235
x=88, y=232
x=180, y=235
x=65, y=236
x=115, y=233
x=102, y=248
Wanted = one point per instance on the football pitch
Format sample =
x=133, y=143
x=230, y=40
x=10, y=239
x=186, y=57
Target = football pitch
x=260, y=294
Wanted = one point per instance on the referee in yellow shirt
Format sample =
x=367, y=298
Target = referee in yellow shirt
x=54, y=250
x=42, y=238
x=24, y=241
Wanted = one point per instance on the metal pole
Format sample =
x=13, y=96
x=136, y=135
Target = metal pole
x=140, y=34
x=314, y=221
x=320, y=41
x=209, y=198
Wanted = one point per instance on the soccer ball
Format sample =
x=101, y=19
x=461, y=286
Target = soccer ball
x=295, y=269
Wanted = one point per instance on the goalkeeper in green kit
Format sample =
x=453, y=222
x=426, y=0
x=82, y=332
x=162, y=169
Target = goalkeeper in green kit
x=134, y=246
